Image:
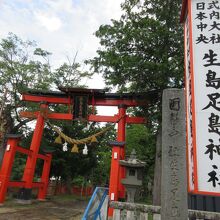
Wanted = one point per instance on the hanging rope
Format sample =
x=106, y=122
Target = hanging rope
x=70, y=140
x=90, y=139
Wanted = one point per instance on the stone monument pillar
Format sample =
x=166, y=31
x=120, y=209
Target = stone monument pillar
x=174, y=178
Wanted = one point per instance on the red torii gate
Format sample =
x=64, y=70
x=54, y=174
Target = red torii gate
x=68, y=96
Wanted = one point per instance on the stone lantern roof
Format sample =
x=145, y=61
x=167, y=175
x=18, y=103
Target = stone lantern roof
x=132, y=161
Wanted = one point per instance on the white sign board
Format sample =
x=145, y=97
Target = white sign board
x=203, y=85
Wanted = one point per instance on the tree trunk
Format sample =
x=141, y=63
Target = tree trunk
x=2, y=137
x=157, y=171
x=6, y=126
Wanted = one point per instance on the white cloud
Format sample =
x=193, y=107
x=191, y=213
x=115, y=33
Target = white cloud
x=61, y=5
x=60, y=26
x=51, y=23
x=74, y=21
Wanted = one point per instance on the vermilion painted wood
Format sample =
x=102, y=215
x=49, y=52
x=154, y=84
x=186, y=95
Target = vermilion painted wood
x=135, y=120
x=193, y=97
x=23, y=150
x=42, y=157
x=129, y=103
x=22, y=184
x=60, y=116
x=101, y=118
x=45, y=177
x=117, y=172
x=6, y=167
x=37, y=184
x=95, y=118
x=16, y=184
x=121, y=138
x=48, y=99
x=35, y=145
x=114, y=177
x=95, y=101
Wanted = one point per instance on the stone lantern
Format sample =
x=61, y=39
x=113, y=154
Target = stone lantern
x=134, y=175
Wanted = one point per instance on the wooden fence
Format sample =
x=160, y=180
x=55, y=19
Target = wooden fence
x=134, y=211
x=59, y=188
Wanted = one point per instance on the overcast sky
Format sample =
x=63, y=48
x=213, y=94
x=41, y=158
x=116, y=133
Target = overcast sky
x=62, y=27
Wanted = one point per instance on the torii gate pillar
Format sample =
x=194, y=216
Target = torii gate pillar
x=121, y=138
x=116, y=189
x=32, y=159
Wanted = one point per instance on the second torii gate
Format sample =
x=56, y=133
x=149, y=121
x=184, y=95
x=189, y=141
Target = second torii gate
x=80, y=99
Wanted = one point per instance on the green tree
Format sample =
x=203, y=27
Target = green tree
x=101, y=172
x=69, y=73
x=140, y=138
x=24, y=66
x=144, y=49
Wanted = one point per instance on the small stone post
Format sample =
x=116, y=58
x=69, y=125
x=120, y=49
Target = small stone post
x=174, y=178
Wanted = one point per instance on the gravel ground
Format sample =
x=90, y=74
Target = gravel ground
x=48, y=210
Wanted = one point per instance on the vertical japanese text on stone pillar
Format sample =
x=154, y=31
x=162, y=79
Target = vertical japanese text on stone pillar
x=174, y=191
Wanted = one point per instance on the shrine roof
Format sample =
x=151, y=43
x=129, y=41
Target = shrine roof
x=78, y=90
x=37, y=92
x=95, y=96
x=97, y=93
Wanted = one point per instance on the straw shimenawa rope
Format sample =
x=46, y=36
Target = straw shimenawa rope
x=91, y=138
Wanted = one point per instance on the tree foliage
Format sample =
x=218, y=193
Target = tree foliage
x=23, y=66
x=140, y=138
x=143, y=50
